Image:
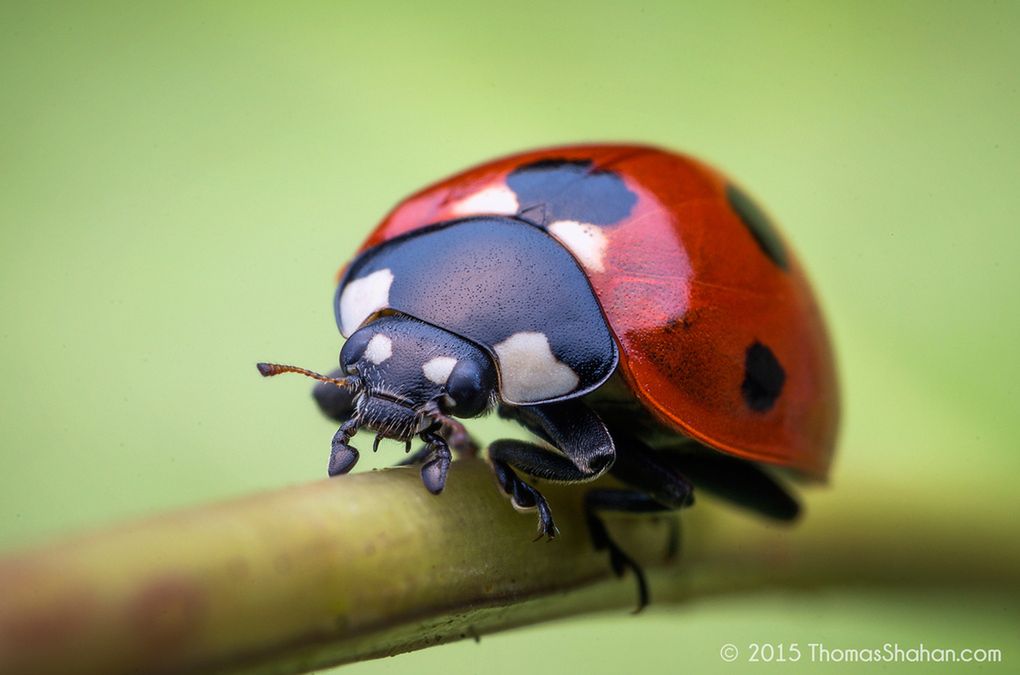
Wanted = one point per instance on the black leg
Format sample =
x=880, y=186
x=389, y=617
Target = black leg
x=538, y=462
x=433, y=471
x=628, y=501
x=575, y=430
x=459, y=440
x=659, y=488
x=656, y=487
x=642, y=468
x=342, y=456
x=742, y=483
x=572, y=428
x=458, y=437
x=524, y=497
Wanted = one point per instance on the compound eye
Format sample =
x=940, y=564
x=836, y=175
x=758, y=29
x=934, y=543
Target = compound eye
x=353, y=350
x=469, y=386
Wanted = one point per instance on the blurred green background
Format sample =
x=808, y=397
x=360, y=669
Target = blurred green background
x=179, y=183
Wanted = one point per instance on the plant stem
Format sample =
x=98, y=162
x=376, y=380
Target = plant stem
x=372, y=565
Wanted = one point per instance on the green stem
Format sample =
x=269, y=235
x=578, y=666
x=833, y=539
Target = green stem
x=372, y=565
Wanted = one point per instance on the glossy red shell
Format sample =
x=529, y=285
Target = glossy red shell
x=686, y=289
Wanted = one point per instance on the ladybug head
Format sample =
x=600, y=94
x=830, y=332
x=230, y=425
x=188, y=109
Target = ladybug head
x=411, y=372
x=401, y=376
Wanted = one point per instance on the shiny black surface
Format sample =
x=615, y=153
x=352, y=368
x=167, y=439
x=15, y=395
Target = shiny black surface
x=488, y=278
x=559, y=189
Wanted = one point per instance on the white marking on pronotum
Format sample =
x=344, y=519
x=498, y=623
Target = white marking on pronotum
x=439, y=368
x=495, y=199
x=530, y=371
x=586, y=241
x=362, y=298
x=378, y=349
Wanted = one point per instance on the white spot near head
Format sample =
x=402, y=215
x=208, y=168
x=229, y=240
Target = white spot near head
x=438, y=370
x=529, y=370
x=362, y=298
x=378, y=349
x=494, y=199
x=587, y=242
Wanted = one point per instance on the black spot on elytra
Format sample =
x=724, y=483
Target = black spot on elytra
x=758, y=224
x=559, y=189
x=763, y=378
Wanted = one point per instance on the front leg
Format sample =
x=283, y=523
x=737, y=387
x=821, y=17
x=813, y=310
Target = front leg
x=573, y=429
x=433, y=471
x=343, y=456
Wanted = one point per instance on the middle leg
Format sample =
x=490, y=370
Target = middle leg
x=585, y=452
x=442, y=440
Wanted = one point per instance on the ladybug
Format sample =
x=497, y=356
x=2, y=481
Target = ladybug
x=633, y=308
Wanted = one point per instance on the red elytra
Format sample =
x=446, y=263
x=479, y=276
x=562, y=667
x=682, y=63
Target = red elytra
x=686, y=289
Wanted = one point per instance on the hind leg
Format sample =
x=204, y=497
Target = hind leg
x=655, y=487
x=626, y=501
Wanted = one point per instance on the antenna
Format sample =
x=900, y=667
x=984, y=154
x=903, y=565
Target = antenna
x=271, y=369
